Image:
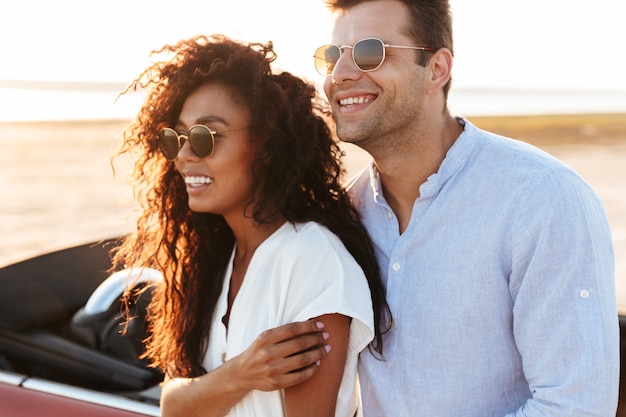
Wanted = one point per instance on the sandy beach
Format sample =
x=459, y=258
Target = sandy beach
x=57, y=187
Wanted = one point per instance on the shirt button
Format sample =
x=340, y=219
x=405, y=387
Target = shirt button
x=396, y=266
x=584, y=294
x=389, y=215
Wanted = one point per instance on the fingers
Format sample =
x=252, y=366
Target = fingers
x=302, y=343
x=302, y=354
x=293, y=338
x=295, y=369
x=291, y=330
x=284, y=356
x=296, y=377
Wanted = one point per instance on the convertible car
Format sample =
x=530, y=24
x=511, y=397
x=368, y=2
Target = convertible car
x=61, y=349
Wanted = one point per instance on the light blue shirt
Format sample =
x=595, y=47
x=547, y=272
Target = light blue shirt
x=501, y=288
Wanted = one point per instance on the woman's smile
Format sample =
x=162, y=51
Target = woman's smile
x=197, y=181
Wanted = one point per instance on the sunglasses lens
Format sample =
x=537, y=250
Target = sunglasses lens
x=201, y=141
x=368, y=54
x=325, y=59
x=168, y=143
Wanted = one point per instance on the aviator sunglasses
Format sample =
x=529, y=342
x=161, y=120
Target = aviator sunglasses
x=368, y=55
x=201, y=140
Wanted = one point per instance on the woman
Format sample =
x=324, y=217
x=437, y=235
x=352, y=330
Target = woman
x=244, y=214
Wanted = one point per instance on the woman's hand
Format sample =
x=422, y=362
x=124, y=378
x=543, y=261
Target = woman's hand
x=282, y=357
x=279, y=358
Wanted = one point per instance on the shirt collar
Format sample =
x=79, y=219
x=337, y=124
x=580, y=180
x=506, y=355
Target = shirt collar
x=455, y=158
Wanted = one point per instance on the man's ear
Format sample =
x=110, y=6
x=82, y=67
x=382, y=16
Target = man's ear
x=440, y=65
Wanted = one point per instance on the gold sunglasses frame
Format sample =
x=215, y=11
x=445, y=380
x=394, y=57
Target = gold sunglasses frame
x=341, y=49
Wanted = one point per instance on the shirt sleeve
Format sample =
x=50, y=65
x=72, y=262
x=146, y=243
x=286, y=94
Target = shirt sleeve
x=325, y=279
x=563, y=288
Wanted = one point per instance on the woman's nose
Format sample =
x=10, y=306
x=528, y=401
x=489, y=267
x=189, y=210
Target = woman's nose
x=185, y=152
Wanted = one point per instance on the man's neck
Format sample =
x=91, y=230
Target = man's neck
x=403, y=171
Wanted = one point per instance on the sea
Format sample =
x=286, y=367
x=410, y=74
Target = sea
x=45, y=101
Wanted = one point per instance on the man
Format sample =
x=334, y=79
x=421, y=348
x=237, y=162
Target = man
x=497, y=258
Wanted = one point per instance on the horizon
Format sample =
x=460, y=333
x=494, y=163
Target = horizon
x=92, y=86
x=82, y=100
x=505, y=51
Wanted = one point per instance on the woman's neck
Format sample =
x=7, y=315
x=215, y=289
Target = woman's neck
x=249, y=235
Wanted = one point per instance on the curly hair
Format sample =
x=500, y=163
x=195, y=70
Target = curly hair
x=298, y=175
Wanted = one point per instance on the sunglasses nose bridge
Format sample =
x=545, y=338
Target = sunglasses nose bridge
x=346, y=66
x=184, y=146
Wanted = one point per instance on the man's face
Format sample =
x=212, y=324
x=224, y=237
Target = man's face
x=370, y=106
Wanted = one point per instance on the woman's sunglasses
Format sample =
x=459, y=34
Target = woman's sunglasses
x=201, y=140
x=367, y=54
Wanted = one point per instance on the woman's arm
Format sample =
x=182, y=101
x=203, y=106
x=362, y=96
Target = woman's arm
x=278, y=358
x=317, y=396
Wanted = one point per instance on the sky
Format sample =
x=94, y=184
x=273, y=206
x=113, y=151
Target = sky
x=524, y=44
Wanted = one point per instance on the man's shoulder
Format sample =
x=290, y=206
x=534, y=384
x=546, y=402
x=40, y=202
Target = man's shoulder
x=357, y=184
x=495, y=149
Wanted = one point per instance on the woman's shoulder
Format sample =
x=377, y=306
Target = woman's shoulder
x=308, y=242
x=314, y=234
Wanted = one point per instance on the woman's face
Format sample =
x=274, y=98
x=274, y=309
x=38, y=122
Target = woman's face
x=220, y=183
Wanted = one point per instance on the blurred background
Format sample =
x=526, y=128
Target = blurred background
x=69, y=58
x=550, y=72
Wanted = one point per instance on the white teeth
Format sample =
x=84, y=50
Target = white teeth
x=197, y=181
x=354, y=100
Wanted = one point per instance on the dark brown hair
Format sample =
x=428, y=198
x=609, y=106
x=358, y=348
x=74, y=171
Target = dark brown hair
x=297, y=175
